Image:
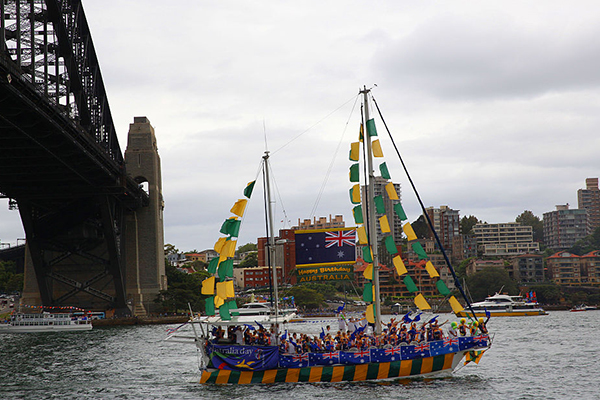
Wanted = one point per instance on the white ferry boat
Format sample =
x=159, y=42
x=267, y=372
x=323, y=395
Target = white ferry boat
x=503, y=305
x=256, y=309
x=45, y=322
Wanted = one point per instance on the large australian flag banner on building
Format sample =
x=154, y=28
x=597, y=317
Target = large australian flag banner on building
x=325, y=247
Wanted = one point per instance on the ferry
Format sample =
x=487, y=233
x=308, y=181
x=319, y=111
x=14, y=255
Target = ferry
x=260, y=309
x=45, y=322
x=503, y=305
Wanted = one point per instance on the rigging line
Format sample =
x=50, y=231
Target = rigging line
x=437, y=239
x=285, y=216
x=312, y=126
x=328, y=173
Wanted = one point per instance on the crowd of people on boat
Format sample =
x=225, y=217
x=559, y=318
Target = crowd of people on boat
x=353, y=334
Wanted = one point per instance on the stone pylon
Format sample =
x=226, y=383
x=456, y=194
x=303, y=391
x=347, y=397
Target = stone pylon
x=144, y=241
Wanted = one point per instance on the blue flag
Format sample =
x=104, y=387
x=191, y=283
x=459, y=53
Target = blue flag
x=340, y=308
x=487, y=313
x=259, y=325
x=322, y=334
x=337, y=246
x=418, y=317
x=250, y=327
x=433, y=319
x=284, y=336
x=406, y=318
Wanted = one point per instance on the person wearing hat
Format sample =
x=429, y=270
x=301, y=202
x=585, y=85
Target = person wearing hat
x=452, y=332
x=462, y=328
x=482, y=327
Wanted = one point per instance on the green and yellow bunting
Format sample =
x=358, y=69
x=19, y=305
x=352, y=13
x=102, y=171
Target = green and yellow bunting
x=409, y=232
x=249, y=188
x=225, y=269
x=368, y=293
x=384, y=224
x=390, y=246
x=209, y=306
x=354, y=151
x=442, y=288
x=399, y=264
x=354, y=173
x=371, y=131
x=421, y=302
x=362, y=235
x=379, y=205
x=431, y=270
x=231, y=227
x=212, y=265
x=232, y=305
x=367, y=255
x=239, y=207
x=400, y=212
x=208, y=286
x=418, y=249
x=358, y=214
x=224, y=312
x=355, y=194
x=391, y=191
x=410, y=284
x=370, y=314
x=376, y=146
x=385, y=174
x=456, y=306
x=368, y=272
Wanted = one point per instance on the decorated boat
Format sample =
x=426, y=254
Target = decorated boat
x=503, y=305
x=236, y=351
x=45, y=322
x=583, y=307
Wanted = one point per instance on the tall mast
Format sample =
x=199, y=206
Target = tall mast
x=271, y=241
x=373, y=240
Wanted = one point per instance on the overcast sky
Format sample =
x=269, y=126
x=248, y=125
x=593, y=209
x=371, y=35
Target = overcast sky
x=494, y=105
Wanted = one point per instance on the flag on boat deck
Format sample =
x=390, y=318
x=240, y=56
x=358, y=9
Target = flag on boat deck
x=358, y=357
x=332, y=357
x=406, y=318
x=293, y=361
x=340, y=308
x=331, y=246
x=473, y=356
x=243, y=358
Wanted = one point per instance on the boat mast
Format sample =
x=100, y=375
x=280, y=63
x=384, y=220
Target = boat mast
x=370, y=195
x=271, y=243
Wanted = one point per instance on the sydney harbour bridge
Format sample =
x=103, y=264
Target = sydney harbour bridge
x=92, y=215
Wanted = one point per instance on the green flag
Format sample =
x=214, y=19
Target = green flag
x=442, y=288
x=209, y=305
x=249, y=188
x=358, y=215
x=212, y=265
x=367, y=254
x=390, y=245
x=232, y=305
x=368, y=292
x=371, y=128
x=379, y=206
x=385, y=174
x=354, y=175
x=417, y=248
x=224, y=312
x=400, y=212
x=410, y=284
x=226, y=269
x=231, y=227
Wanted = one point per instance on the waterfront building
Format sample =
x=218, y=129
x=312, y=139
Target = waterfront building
x=504, y=239
x=528, y=268
x=446, y=223
x=463, y=247
x=321, y=223
x=476, y=265
x=284, y=254
x=590, y=268
x=564, y=268
x=589, y=199
x=255, y=277
x=564, y=227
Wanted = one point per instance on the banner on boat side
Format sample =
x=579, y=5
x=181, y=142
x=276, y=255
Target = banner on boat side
x=243, y=358
x=325, y=247
x=344, y=272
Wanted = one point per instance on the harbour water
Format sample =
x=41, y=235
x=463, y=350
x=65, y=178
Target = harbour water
x=551, y=357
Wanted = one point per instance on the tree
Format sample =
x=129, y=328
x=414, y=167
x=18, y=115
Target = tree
x=247, y=247
x=306, y=298
x=489, y=281
x=467, y=224
x=587, y=244
x=251, y=260
x=10, y=280
x=182, y=289
x=170, y=249
x=528, y=219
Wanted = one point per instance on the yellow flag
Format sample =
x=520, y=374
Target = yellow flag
x=222, y=290
x=431, y=270
x=229, y=289
x=229, y=248
x=370, y=314
x=409, y=232
x=376, y=146
x=456, y=307
x=218, y=301
x=362, y=235
x=208, y=286
x=368, y=272
x=361, y=134
x=239, y=207
x=391, y=191
x=354, y=151
x=384, y=224
x=419, y=302
x=399, y=264
x=219, y=245
x=356, y=194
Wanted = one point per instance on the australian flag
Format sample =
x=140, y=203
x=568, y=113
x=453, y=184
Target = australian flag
x=335, y=246
x=293, y=361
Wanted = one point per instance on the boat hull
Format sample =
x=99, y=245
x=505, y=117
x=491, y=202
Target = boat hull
x=514, y=313
x=422, y=367
x=34, y=329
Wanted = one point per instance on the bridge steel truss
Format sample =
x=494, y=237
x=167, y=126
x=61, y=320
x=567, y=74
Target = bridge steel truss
x=59, y=154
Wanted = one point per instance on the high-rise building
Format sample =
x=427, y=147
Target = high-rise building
x=446, y=223
x=509, y=238
x=589, y=199
x=564, y=227
x=393, y=219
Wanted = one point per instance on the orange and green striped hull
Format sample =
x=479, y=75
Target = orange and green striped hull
x=338, y=373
